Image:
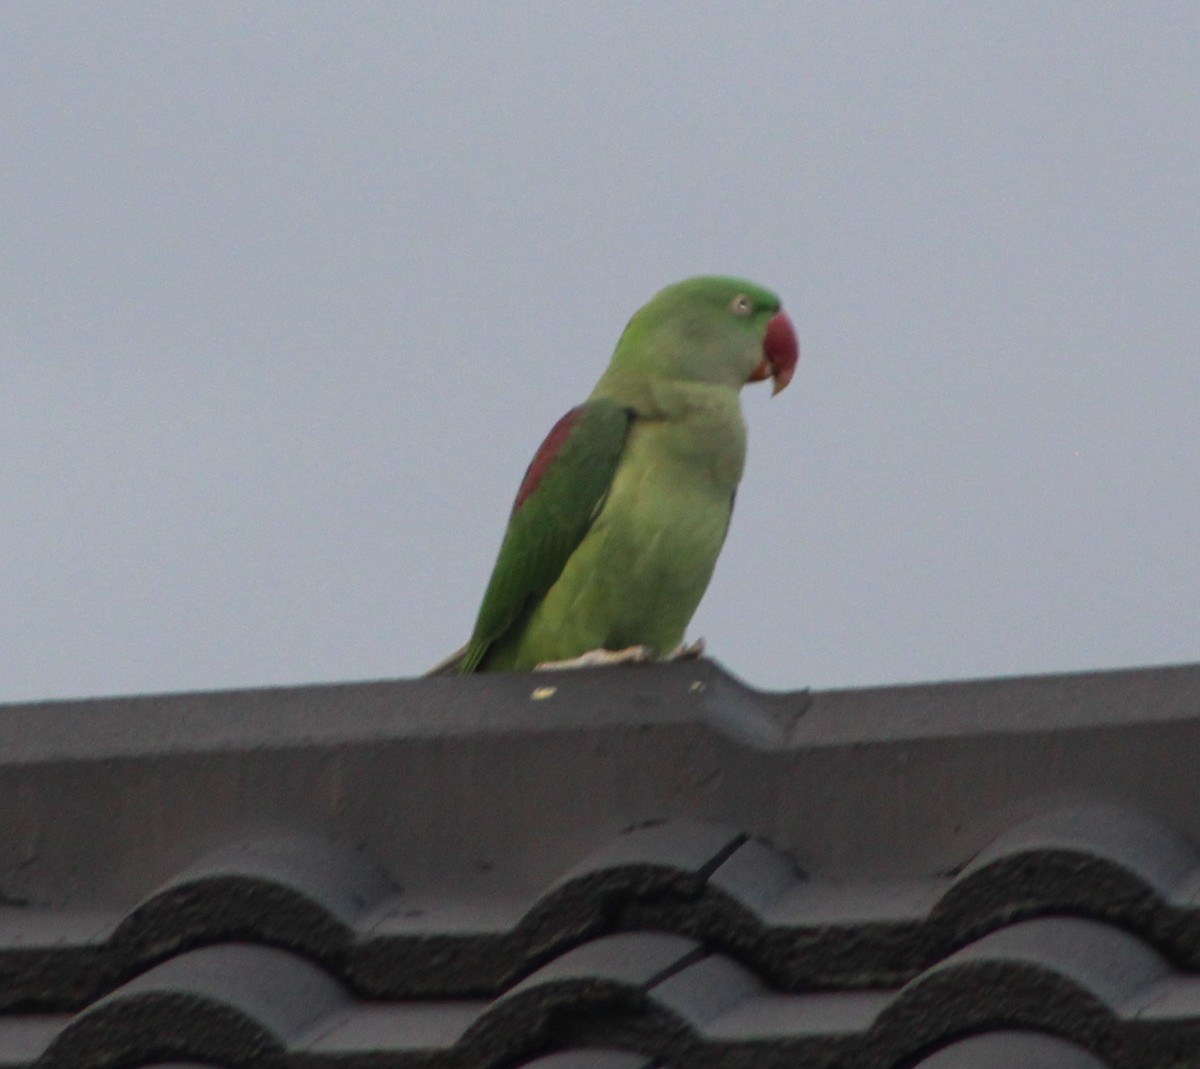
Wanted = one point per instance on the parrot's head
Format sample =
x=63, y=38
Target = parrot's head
x=712, y=329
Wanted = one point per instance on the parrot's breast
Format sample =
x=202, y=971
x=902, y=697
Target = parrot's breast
x=640, y=572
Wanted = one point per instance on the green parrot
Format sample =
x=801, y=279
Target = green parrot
x=621, y=514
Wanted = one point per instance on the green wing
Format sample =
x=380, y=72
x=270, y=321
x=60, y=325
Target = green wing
x=562, y=492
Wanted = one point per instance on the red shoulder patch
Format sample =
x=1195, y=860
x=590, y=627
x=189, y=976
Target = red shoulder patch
x=546, y=453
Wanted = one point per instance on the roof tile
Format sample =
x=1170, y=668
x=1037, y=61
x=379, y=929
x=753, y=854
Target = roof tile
x=651, y=869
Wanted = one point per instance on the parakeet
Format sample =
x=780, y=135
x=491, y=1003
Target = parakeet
x=619, y=519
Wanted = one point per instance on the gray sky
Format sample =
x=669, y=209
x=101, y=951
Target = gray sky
x=290, y=293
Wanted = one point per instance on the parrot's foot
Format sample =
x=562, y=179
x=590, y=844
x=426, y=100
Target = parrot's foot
x=687, y=652
x=596, y=658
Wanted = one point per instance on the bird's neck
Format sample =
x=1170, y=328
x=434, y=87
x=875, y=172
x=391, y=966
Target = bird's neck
x=662, y=397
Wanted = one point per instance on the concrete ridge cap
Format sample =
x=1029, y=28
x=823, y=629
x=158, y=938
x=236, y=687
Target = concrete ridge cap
x=700, y=693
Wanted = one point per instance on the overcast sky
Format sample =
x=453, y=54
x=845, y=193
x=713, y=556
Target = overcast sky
x=290, y=292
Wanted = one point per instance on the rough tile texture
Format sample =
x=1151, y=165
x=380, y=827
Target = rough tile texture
x=642, y=868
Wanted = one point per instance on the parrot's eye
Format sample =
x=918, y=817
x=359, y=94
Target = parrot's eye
x=741, y=305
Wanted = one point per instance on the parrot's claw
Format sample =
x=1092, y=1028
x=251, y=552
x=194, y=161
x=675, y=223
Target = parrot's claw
x=597, y=658
x=629, y=655
x=686, y=652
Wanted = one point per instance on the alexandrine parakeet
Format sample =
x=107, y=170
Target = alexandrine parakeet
x=621, y=514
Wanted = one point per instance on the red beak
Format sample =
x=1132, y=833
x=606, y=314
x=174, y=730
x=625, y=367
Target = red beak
x=781, y=353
